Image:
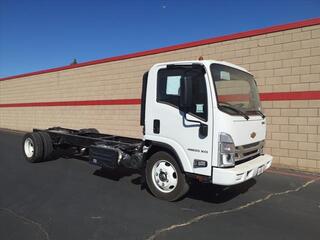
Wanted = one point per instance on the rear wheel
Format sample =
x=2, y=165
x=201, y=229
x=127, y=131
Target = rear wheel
x=88, y=130
x=47, y=145
x=164, y=177
x=33, y=147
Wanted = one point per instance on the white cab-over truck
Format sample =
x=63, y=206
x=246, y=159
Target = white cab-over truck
x=201, y=120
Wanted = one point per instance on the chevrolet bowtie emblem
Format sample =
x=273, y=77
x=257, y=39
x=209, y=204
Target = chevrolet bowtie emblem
x=253, y=135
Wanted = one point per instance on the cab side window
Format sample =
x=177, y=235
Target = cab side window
x=168, y=89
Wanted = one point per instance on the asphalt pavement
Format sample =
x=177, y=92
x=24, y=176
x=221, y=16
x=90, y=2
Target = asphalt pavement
x=69, y=199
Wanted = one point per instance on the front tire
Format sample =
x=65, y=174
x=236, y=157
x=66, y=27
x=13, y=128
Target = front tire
x=165, y=178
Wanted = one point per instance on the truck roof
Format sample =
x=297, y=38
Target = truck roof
x=205, y=62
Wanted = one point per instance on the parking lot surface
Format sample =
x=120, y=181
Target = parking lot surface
x=69, y=199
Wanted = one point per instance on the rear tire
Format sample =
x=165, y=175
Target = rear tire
x=88, y=130
x=32, y=147
x=47, y=145
x=165, y=178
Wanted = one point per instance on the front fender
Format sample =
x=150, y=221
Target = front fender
x=184, y=161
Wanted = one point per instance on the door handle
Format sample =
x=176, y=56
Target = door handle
x=156, y=126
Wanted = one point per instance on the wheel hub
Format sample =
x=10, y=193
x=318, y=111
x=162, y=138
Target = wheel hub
x=29, y=147
x=164, y=176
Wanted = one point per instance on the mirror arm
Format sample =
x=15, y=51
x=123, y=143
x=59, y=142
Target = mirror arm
x=203, y=128
x=189, y=120
x=195, y=121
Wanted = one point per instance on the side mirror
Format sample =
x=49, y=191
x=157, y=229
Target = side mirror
x=186, y=94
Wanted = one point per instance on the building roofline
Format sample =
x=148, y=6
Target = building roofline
x=250, y=33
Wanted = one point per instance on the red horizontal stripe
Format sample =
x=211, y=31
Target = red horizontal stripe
x=281, y=96
x=74, y=103
x=233, y=98
x=278, y=96
x=229, y=37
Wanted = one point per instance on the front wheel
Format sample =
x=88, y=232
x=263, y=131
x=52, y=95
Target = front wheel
x=164, y=177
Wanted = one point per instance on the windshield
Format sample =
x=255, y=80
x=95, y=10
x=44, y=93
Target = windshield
x=236, y=90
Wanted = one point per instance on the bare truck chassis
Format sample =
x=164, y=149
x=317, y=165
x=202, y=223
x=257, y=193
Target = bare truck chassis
x=107, y=151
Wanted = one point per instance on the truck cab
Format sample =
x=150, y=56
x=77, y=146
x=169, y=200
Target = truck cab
x=207, y=115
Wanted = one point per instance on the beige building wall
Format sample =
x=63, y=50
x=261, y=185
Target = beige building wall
x=282, y=61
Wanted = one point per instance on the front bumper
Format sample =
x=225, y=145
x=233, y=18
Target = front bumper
x=241, y=172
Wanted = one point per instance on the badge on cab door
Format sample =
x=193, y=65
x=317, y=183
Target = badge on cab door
x=253, y=135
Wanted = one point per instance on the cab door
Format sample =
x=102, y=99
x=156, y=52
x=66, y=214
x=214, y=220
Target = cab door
x=165, y=122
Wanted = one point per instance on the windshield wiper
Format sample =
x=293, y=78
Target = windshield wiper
x=236, y=110
x=261, y=114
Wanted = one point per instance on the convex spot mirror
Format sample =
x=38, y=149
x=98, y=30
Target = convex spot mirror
x=203, y=130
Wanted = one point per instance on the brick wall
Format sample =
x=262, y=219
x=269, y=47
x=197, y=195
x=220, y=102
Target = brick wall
x=281, y=60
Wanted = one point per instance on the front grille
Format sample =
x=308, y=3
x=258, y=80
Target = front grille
x=250, y=145
x=247, y=152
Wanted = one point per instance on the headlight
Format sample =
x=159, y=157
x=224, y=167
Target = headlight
x=226, y=151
